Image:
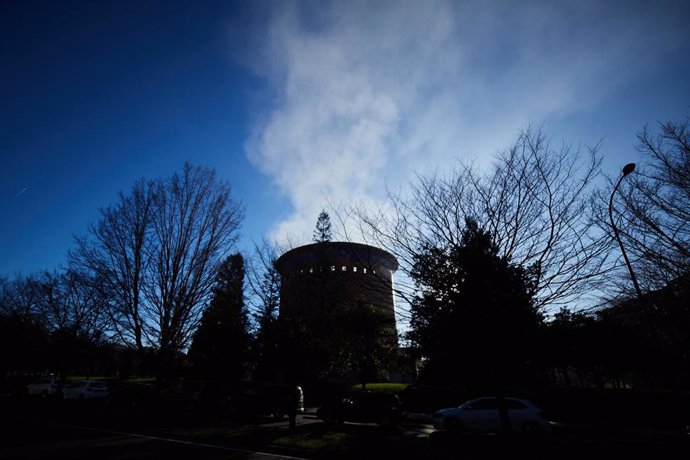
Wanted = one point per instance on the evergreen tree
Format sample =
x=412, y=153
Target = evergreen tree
x=370, y=341
x=322, y=232
x=221, y=343
x=265, y=346
x=475, y=308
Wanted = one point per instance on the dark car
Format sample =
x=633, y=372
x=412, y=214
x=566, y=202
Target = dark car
x=272, y=399
x=15, y=386
x=363, y=406
x=192, y=394
x=131, y=394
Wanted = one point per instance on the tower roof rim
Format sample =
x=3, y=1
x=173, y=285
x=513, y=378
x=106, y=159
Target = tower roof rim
x=385, y=257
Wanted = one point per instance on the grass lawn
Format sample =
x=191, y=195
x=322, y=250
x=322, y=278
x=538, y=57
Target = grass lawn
x=387, y=387
x=312, y=437
x=315, y=437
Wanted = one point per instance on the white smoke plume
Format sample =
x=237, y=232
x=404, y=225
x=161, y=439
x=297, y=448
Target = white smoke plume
x=366, y=94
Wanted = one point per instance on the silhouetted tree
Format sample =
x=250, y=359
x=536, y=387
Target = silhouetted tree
x=18, y=297
x=475, y=316
x=24, y=340
x=24, y=345
x=369, y=341
x=158, y=252
x=220, y=346
x=652, y=213
x=609, y=347
x=119, y=250
x=534, y=199
x=71, y=305
x=264, y=286
x=322, y=232
x=581, y=350
x=656, y=205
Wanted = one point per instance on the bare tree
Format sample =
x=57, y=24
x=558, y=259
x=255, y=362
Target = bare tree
x=194, y=224
x=533, y=200
x=651, y=212
x=158, y=251
x=23, y=338
x=5, y=295
x=19, y=298
x=656, y=205
x=72, y=306
x=71, y=302
x=263, y=281
x=117, y=249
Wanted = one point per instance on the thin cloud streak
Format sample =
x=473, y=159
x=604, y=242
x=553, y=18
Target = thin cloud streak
x=369, y=93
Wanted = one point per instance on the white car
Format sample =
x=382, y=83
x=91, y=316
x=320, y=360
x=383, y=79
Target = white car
x=481, y=415
x=85, y=389
x=47, y=386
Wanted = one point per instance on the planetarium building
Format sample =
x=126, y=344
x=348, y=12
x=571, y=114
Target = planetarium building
x=334, y=274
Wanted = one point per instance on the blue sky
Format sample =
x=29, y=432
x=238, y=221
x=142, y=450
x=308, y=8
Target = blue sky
x=302, y=104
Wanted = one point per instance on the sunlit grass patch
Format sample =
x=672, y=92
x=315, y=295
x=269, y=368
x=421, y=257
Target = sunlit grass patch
x=308, y=437
x=315, y=440
x=387, y=387
x=313, y=437
x=225, y=432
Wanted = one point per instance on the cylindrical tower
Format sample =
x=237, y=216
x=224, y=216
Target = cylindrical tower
x=335, y=274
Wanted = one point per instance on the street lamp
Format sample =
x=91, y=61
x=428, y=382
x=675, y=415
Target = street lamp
x=627, y=169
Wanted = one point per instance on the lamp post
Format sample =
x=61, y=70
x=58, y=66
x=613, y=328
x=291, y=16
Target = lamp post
x=627, y=169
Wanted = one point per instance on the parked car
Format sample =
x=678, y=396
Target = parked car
x=272, y=399
x=192, y=394
x=85, y=389
x=131, y=394
x=363, y=406
x=47, y=386
x=15, y=386
x=481, y=415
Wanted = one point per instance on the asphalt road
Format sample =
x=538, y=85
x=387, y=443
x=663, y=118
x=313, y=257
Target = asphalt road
x=38, y=429
x=44, y=439
x=51, y=429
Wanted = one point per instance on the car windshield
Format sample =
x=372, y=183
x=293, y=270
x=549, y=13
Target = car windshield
x=484, y=404
x=492, y=404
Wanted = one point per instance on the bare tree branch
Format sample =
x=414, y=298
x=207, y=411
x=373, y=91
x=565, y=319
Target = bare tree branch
x=157, y=251
x=534, y=201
